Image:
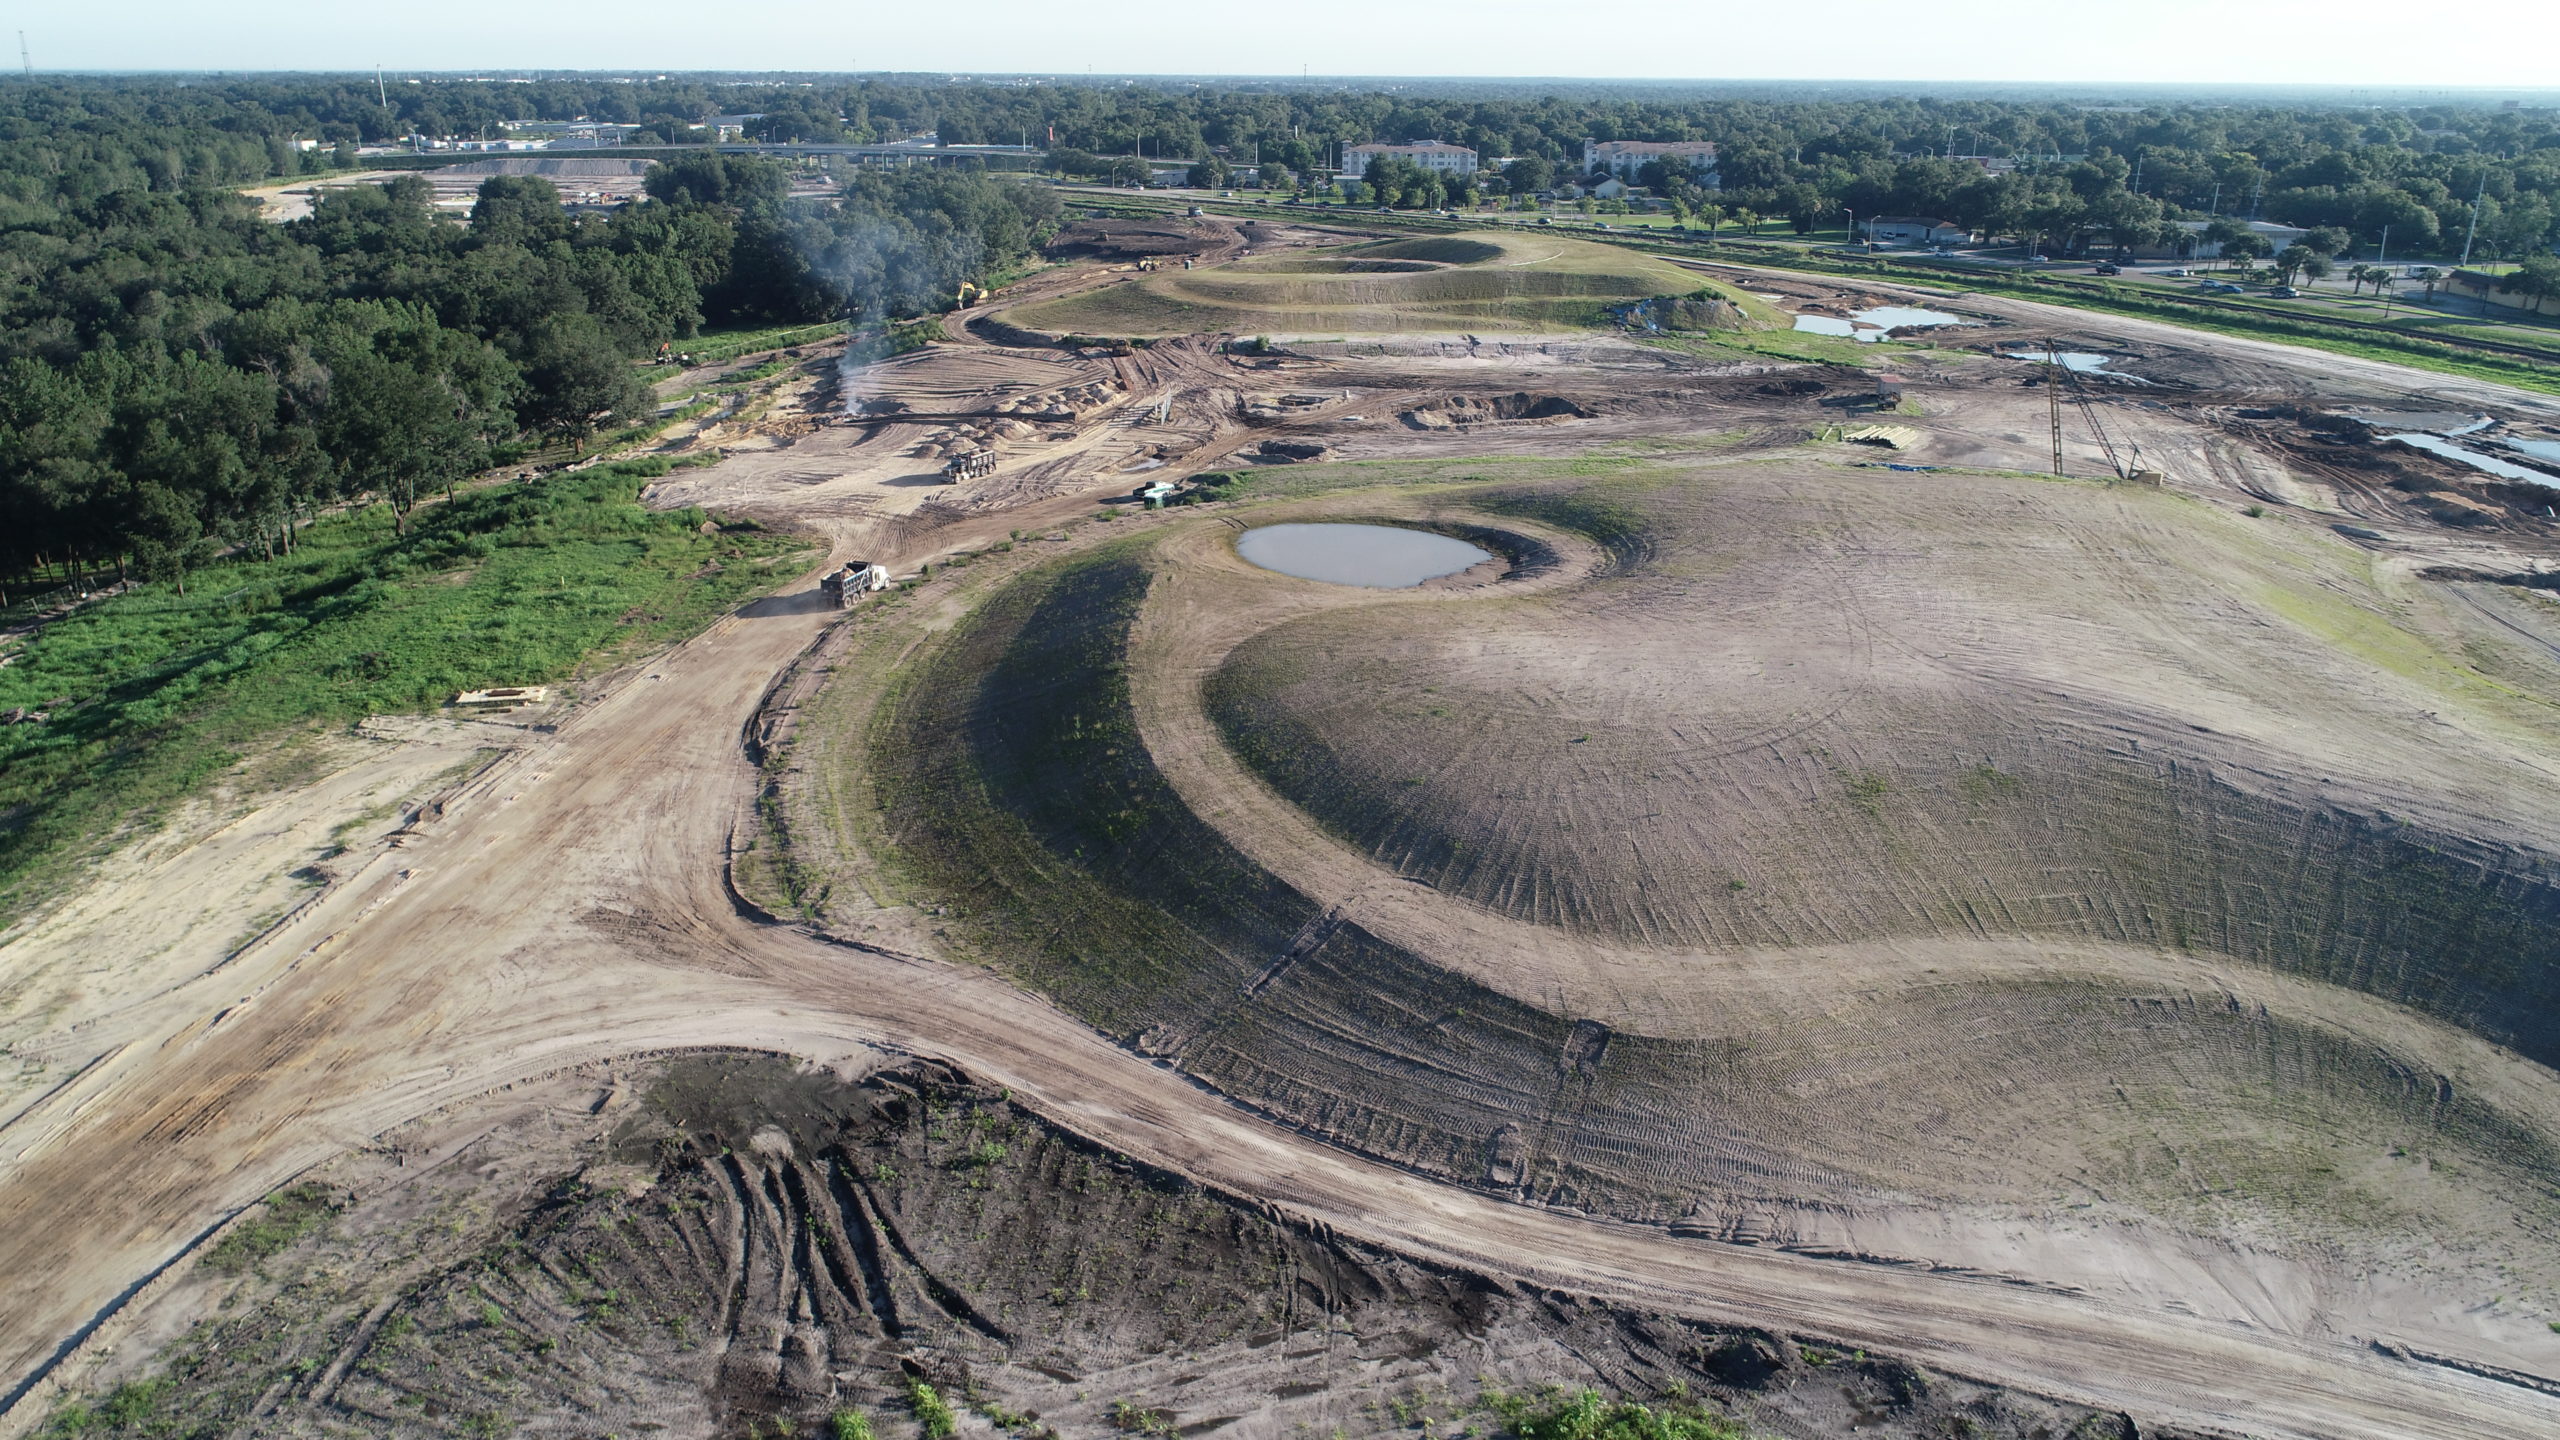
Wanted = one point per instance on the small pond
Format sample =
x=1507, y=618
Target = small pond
x=1871, y=324
x=1387, y=557
x=2547, y=451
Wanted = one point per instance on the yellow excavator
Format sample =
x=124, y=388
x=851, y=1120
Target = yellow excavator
x=971, y=294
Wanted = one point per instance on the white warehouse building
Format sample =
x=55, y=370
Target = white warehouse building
x=1625, y=159
x=1429, y=154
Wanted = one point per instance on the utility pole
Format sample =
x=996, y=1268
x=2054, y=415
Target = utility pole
x=24, y=62
x=378, y=92
x=2474, y=232
x=2215, y=208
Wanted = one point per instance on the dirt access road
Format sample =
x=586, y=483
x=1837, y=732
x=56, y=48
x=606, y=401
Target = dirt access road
x=569, y=906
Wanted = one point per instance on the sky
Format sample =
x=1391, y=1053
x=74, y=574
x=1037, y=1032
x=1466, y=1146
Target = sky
x=2348, y=42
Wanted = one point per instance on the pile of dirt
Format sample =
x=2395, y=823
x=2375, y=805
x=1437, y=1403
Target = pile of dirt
x=751, y=1249
x=1140, y=239
x=1464, y=410
x=1290, y=450
x=1074, y=400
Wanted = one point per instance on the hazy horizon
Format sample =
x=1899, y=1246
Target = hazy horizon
x=1954, y=42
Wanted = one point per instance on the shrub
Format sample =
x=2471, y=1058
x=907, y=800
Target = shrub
x=1557, y=1414
x=289, y=1215
x=932, y=1411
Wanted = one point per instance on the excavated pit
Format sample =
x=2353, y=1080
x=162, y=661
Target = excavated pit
x=1464, y=410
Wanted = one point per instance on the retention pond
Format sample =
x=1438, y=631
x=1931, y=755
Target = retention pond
x=1386, y=557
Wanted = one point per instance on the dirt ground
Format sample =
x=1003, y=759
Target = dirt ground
x=565, y=903
x=728, y=1245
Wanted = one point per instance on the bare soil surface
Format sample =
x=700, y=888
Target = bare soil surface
x=586, y=898
x=730, y=1246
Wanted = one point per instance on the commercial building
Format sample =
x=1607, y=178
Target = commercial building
x=1914, y=230
x=2483, y=288
x=2194, y=243
x=1626, y=159
x=1429, y=154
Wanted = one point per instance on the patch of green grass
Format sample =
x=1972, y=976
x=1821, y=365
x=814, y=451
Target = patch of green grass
x=288, y=1215
x=126, y=1408
x=1867, y=791
x=1987, y=782
x=1558, y=1414
x=933, y=1412
x=715, y=346
x=1134, y=1419
x=160, y=693
x=849, y=1425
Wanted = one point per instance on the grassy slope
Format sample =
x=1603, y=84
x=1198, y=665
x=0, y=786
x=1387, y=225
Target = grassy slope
x=1016, y=798
x=513, y=584
x=1469, y=282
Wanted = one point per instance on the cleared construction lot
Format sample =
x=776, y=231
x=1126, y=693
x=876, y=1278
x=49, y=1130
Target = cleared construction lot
x=2084, y=939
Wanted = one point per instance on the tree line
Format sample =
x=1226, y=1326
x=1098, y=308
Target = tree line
x=179, y=377
x=2433, y=180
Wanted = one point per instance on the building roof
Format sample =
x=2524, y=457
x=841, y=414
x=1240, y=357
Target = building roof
x=2255, y=227
x=1419, y=147
x=1650, y=147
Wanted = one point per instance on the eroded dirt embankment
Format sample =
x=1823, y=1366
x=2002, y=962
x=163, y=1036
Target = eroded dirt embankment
x=733, y=1246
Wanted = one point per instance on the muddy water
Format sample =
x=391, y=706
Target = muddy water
x=2503, y=469
x=1383, y=556
x=2080, y=362
x=1872, y=323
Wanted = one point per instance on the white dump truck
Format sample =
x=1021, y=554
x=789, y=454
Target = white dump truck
x=857, y=577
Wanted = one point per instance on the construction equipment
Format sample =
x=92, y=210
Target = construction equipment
x=854, y=578
x=968, y=465
x=970, y=294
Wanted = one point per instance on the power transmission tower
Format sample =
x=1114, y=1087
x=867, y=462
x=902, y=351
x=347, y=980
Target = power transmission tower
x=25, y=63
x=2053, y=403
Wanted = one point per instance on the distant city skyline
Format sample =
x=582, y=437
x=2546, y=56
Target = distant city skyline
x=2499, y=44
